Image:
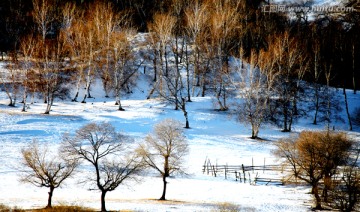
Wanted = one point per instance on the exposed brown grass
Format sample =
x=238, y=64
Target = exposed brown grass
x=65, y=209
x=4, y=208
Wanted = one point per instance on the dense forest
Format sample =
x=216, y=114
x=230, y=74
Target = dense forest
x=334, y=35
x=55, y=41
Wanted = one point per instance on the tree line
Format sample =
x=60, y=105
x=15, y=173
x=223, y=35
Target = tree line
x=190, y=49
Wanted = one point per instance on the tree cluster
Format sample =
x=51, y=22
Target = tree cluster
x=71, y=47
x=328, y=162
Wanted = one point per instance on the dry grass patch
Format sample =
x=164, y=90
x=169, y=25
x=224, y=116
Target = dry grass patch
x=4, y=208
x=230, y=207
x=65, y=209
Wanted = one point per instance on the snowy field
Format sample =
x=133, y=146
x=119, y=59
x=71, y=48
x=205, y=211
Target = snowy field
x=214, y=135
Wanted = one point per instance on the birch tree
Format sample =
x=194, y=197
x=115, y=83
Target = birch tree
x=222, y=26
x=27, y=48
x=255, y=87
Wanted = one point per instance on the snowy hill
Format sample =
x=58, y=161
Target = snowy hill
x=213, y=135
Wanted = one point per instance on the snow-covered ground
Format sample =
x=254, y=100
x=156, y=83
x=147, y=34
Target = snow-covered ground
x=213, y=135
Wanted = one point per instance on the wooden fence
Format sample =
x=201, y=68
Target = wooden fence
x=244, y=173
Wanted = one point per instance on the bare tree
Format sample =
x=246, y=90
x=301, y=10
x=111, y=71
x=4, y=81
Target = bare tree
x=169, y=85
x=107, y=151
x=108, y=25
x=316, y=73
x=51, y=70
x=27, y=46
x=287, y=56
x=44, y=15
x=345, y=194
x=43, y=169
x=224, y=17
x=124, y=66
x=74, y=33
x=255, y=88
x=196, y=18
x=90, y=42
x=161, y=31
x=165, y=150
x=11, y=81
x=331, y=105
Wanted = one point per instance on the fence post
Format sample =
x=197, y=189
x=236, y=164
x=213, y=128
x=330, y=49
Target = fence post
x=225, y=171
x=204, y=162
x=209, y=166
x=264, y=166
x=214, y=171
x=243, y=168
x=252, y=165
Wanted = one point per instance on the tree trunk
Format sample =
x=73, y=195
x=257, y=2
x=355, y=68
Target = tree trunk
x=120, y=108
x=12, y=102
x=254, y=132
x=166, y=62
x=51, y=192
x=155, y=69
x=285, y=124
x=49, y=104
x=347, y=109
x=187, y=125
x=103, y=206
x=317, y=106
x=353, y=67
x=327, y=187
x=315, y=192
x=203, y=87
x=224, y=97
x=77, y=89
x=105, y=86
x=76, y=96
x=183, y=108
x=87, y=88
x=164, y=188
x=84, y=100
x=24, y=99
x=187, y=74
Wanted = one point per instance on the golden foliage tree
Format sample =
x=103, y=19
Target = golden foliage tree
x=315, y=156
